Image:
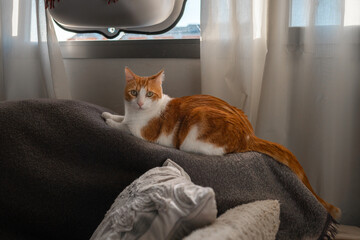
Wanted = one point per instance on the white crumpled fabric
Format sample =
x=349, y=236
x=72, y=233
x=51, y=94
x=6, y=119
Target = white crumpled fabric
x=163, y=203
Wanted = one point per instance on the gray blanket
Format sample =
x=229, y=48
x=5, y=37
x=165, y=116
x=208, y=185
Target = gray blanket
x=61, y=167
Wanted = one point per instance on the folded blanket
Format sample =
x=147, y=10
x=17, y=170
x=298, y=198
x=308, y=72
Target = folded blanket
x=61, y=167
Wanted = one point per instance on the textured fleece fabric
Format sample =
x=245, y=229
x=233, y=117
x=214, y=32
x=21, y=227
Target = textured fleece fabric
x=61, y=167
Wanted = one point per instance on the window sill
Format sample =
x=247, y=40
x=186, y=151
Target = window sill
x=174, y=48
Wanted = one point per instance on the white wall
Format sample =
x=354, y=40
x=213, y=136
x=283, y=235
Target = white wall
x=101, y=81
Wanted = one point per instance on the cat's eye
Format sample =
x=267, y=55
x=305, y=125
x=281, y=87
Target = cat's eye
x=149, y=94
x=133, y=92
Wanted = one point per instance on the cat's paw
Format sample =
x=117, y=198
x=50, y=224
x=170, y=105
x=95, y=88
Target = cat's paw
x=116, y=118
x=106, y=115
x=111, y=122
x=117, y=125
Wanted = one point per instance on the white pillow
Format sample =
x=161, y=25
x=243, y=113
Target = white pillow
x=161, y=204
x=253, y=221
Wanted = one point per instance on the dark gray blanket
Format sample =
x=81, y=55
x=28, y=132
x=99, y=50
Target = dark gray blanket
x=61, y=167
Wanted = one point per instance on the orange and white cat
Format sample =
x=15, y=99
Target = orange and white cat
x=200, y=124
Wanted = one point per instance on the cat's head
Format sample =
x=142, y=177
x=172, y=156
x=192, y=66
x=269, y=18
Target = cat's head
x=142, y=93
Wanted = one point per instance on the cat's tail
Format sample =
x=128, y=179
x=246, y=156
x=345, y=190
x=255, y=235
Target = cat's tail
x=283, y=155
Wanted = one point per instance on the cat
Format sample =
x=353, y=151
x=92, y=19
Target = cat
x=199, y=124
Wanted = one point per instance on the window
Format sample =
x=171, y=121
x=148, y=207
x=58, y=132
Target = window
x=187, y=28
x=328, y=13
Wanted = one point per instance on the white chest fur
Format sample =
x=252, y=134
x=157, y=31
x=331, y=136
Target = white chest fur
x=136, y=119
x=166, y=139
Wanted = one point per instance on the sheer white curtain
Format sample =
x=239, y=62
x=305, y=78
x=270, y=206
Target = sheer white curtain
x=294, y=67
x=233, y=47
x=31, y=64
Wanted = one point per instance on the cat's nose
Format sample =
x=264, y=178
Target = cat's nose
x=140, y=103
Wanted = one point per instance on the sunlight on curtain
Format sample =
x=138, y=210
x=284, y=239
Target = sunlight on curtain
x=33, y=25
x=258, y=13
x=298, y=81
x=15, y=18
x=352, y=16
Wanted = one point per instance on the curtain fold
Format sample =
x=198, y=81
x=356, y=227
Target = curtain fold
x=32, y=64
x=306, y=82
x=233, y=47
x=2, y=83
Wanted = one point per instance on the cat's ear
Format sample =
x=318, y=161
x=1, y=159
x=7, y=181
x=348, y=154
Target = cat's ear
x=129, y=75
x=159, y=77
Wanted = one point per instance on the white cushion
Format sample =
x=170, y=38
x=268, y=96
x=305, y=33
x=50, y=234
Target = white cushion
x=253, y=221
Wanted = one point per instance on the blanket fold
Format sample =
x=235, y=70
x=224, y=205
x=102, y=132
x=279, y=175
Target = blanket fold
x=61, y=167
